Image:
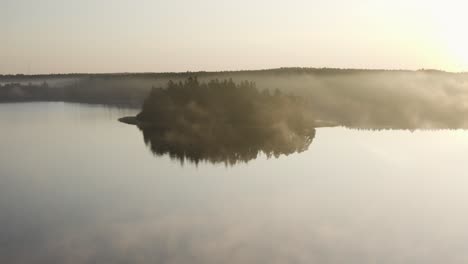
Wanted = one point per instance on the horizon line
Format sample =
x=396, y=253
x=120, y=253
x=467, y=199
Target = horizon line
x=231, y=71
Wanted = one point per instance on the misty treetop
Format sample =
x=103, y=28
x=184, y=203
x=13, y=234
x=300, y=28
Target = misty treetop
x=221, y=102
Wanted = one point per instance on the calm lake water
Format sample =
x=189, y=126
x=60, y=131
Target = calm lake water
x=77, y=186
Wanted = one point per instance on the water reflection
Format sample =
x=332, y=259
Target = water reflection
x=226, y=144
x=92, y=194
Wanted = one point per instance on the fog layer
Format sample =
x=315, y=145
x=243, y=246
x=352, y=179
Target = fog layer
x=353, y=98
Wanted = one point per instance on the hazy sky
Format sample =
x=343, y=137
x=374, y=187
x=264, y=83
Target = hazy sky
x=180, y=35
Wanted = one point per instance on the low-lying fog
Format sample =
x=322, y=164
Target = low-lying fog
x=354, y=98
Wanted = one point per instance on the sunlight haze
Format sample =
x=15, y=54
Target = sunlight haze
x=63, y=36
x=233, y=132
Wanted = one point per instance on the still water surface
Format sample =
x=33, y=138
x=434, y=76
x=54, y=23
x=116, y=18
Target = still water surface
x=76, y=186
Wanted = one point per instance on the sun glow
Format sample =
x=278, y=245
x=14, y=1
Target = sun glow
x=451, y=22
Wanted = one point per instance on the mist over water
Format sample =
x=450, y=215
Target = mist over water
x=109, y=157
x=354, y=98
x=221, y=121
x=386, y=184
x=92, y=192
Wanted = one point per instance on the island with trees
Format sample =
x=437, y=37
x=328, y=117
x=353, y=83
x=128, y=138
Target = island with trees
x=223, y=121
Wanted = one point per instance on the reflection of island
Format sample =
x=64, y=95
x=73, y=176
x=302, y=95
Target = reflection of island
x=226, y=144
x=223, y=122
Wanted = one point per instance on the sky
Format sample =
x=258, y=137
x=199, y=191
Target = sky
x=95, y=36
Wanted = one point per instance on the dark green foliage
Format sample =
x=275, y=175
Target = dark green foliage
x=219, y=102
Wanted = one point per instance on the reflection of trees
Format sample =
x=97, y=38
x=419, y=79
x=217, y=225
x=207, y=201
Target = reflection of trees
x=227, y=144
x=221, y=121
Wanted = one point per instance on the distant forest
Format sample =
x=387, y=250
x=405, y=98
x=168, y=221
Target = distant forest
x=365, y=99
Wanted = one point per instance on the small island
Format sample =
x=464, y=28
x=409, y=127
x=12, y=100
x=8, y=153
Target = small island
x=222, y=121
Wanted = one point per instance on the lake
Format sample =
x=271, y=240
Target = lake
x=77, y=186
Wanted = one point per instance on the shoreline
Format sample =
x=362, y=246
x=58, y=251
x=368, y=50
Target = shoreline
x=133, y=120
